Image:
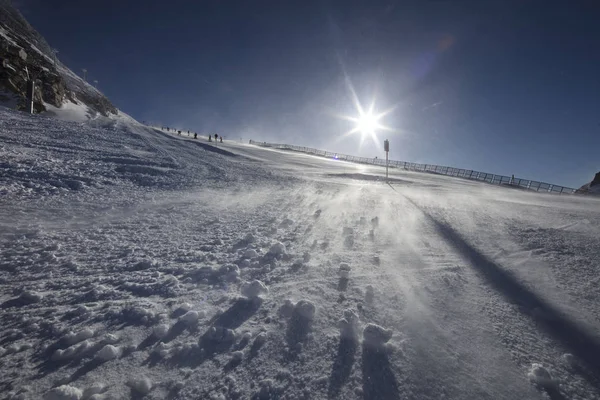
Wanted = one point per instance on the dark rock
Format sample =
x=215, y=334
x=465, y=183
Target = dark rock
x=596, y=180
x=25, y=54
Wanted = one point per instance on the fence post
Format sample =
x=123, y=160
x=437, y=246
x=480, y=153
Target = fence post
x=30, y=95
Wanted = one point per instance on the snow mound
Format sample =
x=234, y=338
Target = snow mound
x=110, y=338
x=192, y=317
x=277, y=249
x=109, y=352
x=237, y=356
x=160, y=331
x=220, y=334
x=184, y=307
x=64, y=392
x=344, y=271
x=99, y=396
x=287, y=309
x=163, y=350
x=250, y=253
x=29, y=297
x=375, y=335
x=305, y=309
x=229, y=272
x=286, y=223
x=141, y=384
x=72, y=352
x=349, y=325
x=253, y=289
x=539, y=375
x=370, y=295
x=73, y=338
x=259, y=341
x=95, y=389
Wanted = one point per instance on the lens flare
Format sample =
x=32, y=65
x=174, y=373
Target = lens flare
x=367, y=123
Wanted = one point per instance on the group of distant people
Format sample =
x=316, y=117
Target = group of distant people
x=217, y=137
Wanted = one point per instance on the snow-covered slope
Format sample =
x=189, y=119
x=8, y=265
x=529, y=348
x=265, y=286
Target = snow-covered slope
x=135, y=264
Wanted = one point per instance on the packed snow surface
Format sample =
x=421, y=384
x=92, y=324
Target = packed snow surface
x=135, y=264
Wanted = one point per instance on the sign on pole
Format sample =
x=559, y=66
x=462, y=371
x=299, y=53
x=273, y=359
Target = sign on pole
x=30, y=95
x=386, y=147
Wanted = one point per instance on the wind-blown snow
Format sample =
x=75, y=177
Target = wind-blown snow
x=70, y=112
x=139, y=264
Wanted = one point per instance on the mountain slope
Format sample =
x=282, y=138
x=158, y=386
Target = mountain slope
x=25, y=54
x=136, y=264
x=592, y=187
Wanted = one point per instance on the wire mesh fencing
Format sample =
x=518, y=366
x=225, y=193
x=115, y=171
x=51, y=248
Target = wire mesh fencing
x=493, y=179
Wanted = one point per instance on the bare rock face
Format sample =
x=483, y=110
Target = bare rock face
x=53, y=90
x=24, y=55
x=593, y=187
x=596, y=180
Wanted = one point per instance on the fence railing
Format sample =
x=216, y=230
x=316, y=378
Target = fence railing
x=493, y=179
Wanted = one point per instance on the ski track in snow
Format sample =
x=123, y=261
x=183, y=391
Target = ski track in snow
x=124, y=252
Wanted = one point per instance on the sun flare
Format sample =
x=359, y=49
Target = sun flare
x=367, y=123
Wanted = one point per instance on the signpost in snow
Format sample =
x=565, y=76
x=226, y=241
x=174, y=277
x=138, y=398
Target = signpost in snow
x=30, y=95
x=386, y=147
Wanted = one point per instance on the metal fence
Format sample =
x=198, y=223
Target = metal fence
x=493, y=179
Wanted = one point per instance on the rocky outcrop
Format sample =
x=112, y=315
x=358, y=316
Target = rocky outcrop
x=596, y=181
x=18, y=66
x=593, y=187
x=24, y=54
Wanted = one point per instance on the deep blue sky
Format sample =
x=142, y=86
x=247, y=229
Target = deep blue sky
x=509, y=87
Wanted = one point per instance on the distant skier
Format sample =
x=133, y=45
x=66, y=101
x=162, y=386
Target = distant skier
x=216, y=137
x=210, y=138
x=221, y=139
x=195, y=136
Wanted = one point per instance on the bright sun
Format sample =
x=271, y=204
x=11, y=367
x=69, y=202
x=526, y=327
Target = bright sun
x=367, y=123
